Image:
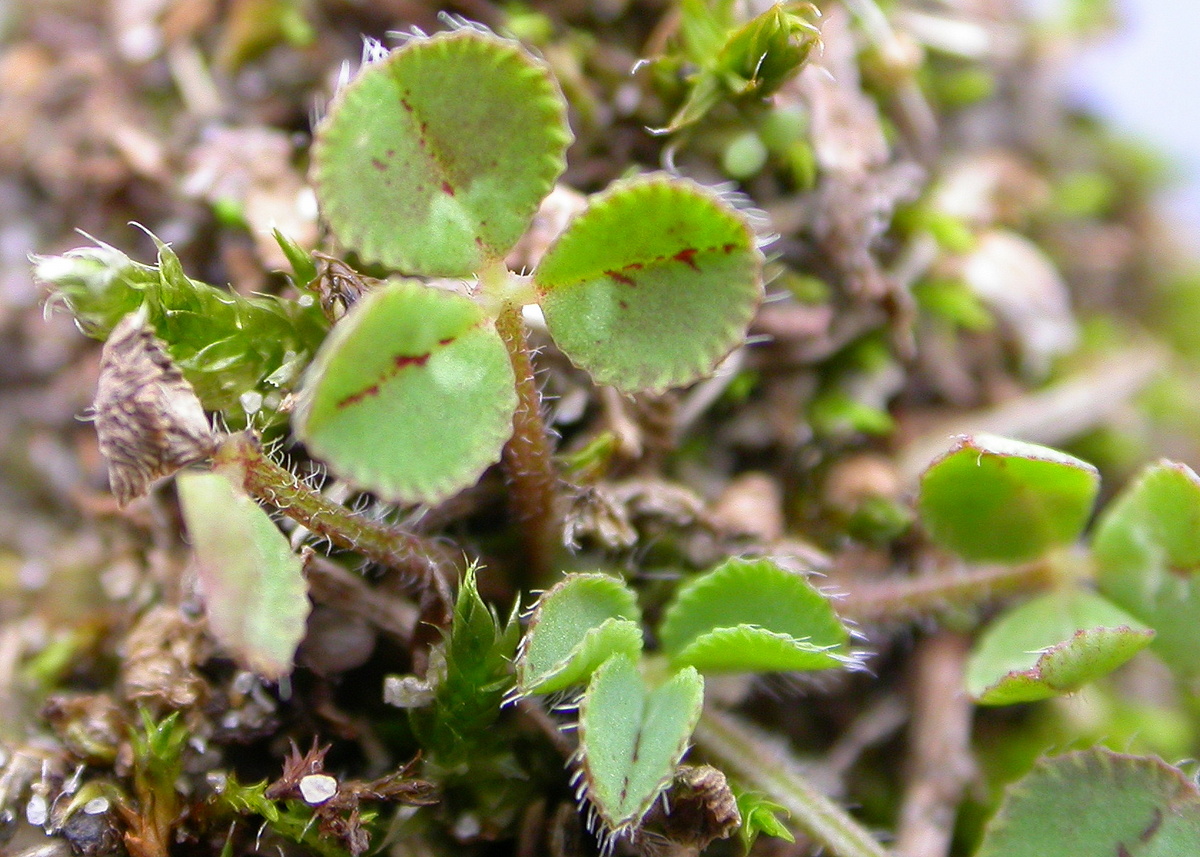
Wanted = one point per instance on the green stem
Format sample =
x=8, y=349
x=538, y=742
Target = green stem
x=902, y=599
x=241, y=457
x=529, y=458
x=738, y=751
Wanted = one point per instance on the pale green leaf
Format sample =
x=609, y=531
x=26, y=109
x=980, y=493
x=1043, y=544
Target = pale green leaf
x=752, y=615
x=253, y=586
x=1050, y=645
x=411, y=396
x=990, y=499
x=434, y=160
x=1096, y=802
x=651, y=285
x=632, y=739
x=577, y=625
x=1147, y=550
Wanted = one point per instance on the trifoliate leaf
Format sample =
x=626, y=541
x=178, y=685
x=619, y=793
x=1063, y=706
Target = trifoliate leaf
x=254, y=590
x=1052, y=645
x=577, y=624
x=631, y=739
x=411, y=396
x=990, y=499
x=1097, y=802
x=433, y=160
x=752, y=616
x=651, y=285
x=1147, y=550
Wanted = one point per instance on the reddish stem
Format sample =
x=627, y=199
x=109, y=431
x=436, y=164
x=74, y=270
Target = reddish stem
x=528, y=459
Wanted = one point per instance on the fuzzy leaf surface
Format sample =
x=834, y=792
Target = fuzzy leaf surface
x=990, y=499
x=253, y=585
x=434, y=160
x=651, y=285
x=752, y=616
x=411, y=396
x=1097, y=802
x=1147, y=551
x=1052, y=645
x=577, y=624
x=631, y=739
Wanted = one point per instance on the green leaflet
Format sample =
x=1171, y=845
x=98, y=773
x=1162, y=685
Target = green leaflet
x=990, y=499
x=433, y=160
x=577, y=624
x=1097, y=802
x=752, y=615
x=411, y=396
x=254, y=590
x=1147, y=551
x=652, y=285
x=1052, y=645
x=631, y=739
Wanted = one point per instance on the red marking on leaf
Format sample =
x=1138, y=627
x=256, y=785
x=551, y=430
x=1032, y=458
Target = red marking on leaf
x=635, y=266
x=446, y=341
x=1152, y=828
x=687, y=257
x=623, y=304
x=355, y=398
x=446, y=189
x=728, y=248
x=378, y=164
x=403, y=361
x=391, y=153
x=404, y=103
x=620, y=278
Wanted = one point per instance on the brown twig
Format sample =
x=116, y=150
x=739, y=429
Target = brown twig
x=906, y=598
x=939, y=758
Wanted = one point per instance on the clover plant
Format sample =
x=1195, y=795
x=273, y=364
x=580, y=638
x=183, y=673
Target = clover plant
x=637, y=712
x=647, y=288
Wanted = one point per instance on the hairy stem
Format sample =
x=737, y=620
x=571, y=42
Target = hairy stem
x=241, y=457
x=903, y=599
x=741, y=752
x=528, y=458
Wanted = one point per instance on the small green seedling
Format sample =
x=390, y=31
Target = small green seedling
x=637, y=713
x=738, y=63
x=995, y=500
